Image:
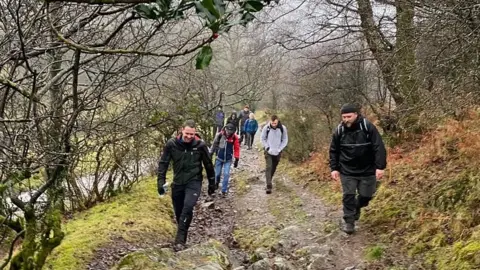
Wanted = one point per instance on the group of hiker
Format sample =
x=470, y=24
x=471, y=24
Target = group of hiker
x=244, y=122
x=357, y=160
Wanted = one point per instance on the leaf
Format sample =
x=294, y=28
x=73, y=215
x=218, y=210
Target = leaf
x=147, y=11
x=220, y=6
x=208, y=4
x=204, y=57
x=164, y=5
x=246, y=18
x=253, y=6
x=204, y=12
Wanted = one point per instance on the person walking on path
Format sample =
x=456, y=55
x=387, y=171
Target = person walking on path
x=219, y=119
x=234, y=120
x=226, y=147
x=274, y=140
x=357, y=159
x=251, y=127
x=187, y=152
x=244, y=115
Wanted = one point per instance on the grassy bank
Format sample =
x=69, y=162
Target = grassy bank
x=135, y=217
x=427, y=207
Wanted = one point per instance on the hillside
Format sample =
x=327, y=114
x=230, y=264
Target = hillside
x=427, y=206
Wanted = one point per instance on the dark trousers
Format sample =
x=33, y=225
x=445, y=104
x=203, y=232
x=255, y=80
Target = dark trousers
x=243, y=136
x=272, y=163
x=250, y=137
x=365, y=186
x=184, y=198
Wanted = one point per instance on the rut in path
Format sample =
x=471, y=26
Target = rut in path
x=305, y=231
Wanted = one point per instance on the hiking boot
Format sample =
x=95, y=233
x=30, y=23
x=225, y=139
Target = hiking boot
x=358, y=212
x=178, y=247
x=348, y=228
x=269, y=190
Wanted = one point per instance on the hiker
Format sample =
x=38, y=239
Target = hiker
x=274, y=140
x=244, y=115
x=188, y=152
x=233, y=119
x=357, y=159
x=219, y=119
x=251, y=127
x=226, y=146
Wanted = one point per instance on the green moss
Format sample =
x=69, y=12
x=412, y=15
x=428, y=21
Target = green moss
x=251, y=239
x=132, y=216
x=374, y=253
x=289, y=208
x=210, y=252
x=241, y=184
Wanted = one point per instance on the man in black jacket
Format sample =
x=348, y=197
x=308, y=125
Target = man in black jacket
x=188, y=152
x=358, y=159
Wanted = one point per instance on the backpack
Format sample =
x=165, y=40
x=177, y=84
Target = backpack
x=363, y=126
x=280, y=126
x=218, y=138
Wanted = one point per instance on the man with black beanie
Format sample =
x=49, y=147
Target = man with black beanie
x=357, y=159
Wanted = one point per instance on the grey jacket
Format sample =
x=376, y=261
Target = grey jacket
x=276, y=141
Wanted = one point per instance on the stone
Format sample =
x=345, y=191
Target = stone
x=209, y=205
x=281, y=264
x=239, y=268
x=320, y=262
x=210, y=266
x=260, y=265
x=260, y=254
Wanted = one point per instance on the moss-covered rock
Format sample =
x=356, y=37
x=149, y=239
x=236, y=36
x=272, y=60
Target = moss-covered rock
x=211, y=255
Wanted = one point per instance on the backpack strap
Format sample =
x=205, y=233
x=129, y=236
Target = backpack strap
x=364, y=127
x=340, y=130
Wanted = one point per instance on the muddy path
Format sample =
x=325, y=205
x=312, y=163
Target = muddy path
x=288, y=229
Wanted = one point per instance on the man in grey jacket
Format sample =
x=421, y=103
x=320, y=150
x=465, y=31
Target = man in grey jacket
x=274, y=140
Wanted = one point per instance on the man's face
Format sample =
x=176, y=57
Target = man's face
x=245, y=109
x=274, y=123
x=188, y=134
x=349, y=118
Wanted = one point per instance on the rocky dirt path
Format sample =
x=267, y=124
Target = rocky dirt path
x=291, y=228
x=288, y=229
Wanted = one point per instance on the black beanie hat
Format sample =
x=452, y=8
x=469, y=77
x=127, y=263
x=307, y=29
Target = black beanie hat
x=230, y=126
x=349, y=108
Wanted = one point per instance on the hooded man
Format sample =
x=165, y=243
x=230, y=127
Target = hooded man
x=244, y=115
x=226, y=146
x=357, y=159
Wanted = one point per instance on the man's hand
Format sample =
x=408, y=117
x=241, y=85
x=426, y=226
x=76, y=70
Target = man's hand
x=379, y=174
x=336, y=175
x=160, y=188
x=211, y=190
x=235, y=164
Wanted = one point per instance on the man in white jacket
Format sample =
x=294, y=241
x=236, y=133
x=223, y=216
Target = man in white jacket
x=274, y=140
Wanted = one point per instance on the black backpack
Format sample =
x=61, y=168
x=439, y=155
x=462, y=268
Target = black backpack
x=363, y=126
x=280, y=126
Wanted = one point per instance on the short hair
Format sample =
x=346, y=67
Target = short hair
x=274, y=117
x=189, y=123
x=246, y=106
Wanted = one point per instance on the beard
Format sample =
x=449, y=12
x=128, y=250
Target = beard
x=348, y=124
